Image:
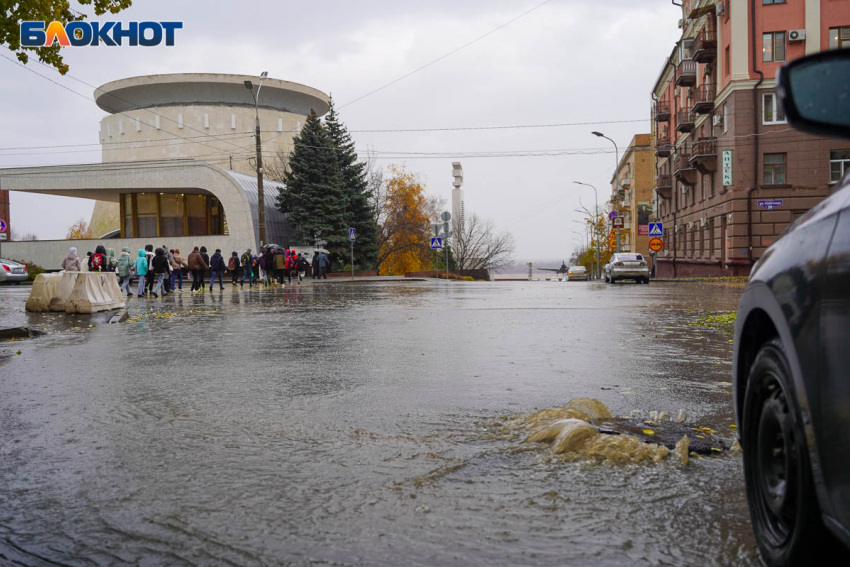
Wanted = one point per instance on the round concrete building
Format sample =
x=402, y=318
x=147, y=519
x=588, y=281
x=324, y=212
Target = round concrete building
x=179, y=160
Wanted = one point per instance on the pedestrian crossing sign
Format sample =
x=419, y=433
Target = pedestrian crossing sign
x=436, y=243
x=656, y=229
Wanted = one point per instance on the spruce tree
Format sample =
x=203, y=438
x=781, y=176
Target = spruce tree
x=313, y=198
x=356, y=189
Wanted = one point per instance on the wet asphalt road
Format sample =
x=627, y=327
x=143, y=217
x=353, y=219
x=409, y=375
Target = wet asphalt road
x=352, y=424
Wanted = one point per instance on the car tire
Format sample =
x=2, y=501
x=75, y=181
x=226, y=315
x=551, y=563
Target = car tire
x=780, y=492
x=611, y=280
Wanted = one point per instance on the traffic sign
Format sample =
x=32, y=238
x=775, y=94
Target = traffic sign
x=619, y=222
x=656, y=229
x=2, y=225
x=612, y=243
x=612, y=214
x=612, y=234
x=656, y=244
x=436, y=243
x=445, y=216
x=2, y=236
x=351, y=234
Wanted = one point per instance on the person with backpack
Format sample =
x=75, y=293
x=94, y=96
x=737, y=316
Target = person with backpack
x=217, y=268
x=233, y=266
x=177, y=265
x=160, y=269
x=97, y=261
x=279, y=265
x=71, y=262
x=110, y=264
x=198, y=268
x=246, y=261
x=142, y=271
x=124, y=267
x=268, y=265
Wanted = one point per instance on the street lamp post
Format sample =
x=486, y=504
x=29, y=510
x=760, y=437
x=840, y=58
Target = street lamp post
x=261, y=204
x=595, y=222
x=616, y=167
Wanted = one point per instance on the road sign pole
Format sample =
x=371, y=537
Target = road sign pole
x=352, y=260
x=618, y=241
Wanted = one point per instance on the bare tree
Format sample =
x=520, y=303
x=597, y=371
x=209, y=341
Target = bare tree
x=479, y=246
x=15, y=237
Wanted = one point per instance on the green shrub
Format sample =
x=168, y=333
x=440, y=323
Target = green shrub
x=468, y=279
x=32, y=269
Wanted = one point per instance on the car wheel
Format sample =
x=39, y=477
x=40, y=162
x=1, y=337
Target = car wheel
x=611, y=280
x=780, y=492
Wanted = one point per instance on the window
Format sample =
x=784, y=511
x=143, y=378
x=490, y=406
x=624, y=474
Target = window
x=147, y=214
x=766, y=2
x=772, y=111
x=839, y=163
x=773, y=46
x=727, y=62
x=702, y=179
x=725, y=117
x=774, y=169
x=128, y=216
x=839, y=38
x=172, y=213
x=686, y=49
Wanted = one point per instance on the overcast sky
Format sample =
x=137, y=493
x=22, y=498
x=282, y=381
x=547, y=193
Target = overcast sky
x=568, y=61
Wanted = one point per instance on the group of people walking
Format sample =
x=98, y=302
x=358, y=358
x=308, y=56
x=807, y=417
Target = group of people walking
x=160, y=270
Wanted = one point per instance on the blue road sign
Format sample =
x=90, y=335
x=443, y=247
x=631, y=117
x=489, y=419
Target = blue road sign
x=612, y=214
x=770, y=204
x=351, y=234
x=656, y=229
x=436, y=243
x=2, y=225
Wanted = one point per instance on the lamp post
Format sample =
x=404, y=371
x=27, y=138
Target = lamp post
x=595, y=222
x=261, y=204
x=616, y=174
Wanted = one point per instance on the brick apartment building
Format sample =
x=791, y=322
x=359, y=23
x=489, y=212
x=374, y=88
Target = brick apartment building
x=631, y=193
x=730, y=173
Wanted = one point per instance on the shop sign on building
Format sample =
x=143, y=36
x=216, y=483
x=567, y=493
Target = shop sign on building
x=726, y=164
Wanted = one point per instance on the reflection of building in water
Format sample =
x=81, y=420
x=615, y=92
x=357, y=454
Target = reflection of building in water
x=178, y=155
x=457, y=199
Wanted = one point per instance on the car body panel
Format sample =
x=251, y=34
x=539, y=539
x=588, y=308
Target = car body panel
x=787, y=286
x=17, y=272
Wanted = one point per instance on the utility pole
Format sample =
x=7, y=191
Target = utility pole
x=616, y=174
x=261, y=204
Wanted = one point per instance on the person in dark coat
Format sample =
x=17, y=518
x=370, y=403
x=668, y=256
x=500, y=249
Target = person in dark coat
x=97, y=261
x=323, y=265
x=233, y=266
x=268, y=260
x=150, y=278
x=206, y=258
x=160, y=269
x=301, y=265
x=217, y=268
x=198, y=268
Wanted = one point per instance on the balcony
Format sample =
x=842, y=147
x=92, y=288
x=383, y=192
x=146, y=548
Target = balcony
x=662, y=111
x=704, y=98
x=704, y=155
x=705, y=46
x=662, y=147
x=664, y=185
x=685, y=121
x=686, y=73
x=683, y=170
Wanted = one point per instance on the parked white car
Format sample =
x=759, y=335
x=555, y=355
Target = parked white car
x=626, y=266
x=577, y=273
x=12, y=271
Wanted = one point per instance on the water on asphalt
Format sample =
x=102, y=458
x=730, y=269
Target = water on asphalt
x=353, y=424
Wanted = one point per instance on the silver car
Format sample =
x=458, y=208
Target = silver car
x=626, y=266
x=12, y=271
x=577, y=273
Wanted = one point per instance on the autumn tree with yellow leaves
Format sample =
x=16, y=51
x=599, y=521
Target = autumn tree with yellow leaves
x=80, y=230
x=403, y=212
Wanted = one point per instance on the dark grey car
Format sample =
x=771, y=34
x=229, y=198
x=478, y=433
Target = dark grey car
x=792, y=353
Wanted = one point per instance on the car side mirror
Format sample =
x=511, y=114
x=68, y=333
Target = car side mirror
x=814, y=92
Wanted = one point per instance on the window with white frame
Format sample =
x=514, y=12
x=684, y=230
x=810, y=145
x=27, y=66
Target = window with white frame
x=839, y=164
x=725, y=117
x=771, y=110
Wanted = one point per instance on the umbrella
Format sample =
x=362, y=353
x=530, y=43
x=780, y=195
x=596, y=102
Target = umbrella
x=321, y=250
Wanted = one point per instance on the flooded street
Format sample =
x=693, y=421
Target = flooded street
x=356, y=424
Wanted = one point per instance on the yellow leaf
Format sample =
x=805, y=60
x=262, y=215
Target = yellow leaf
x=649, y=432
